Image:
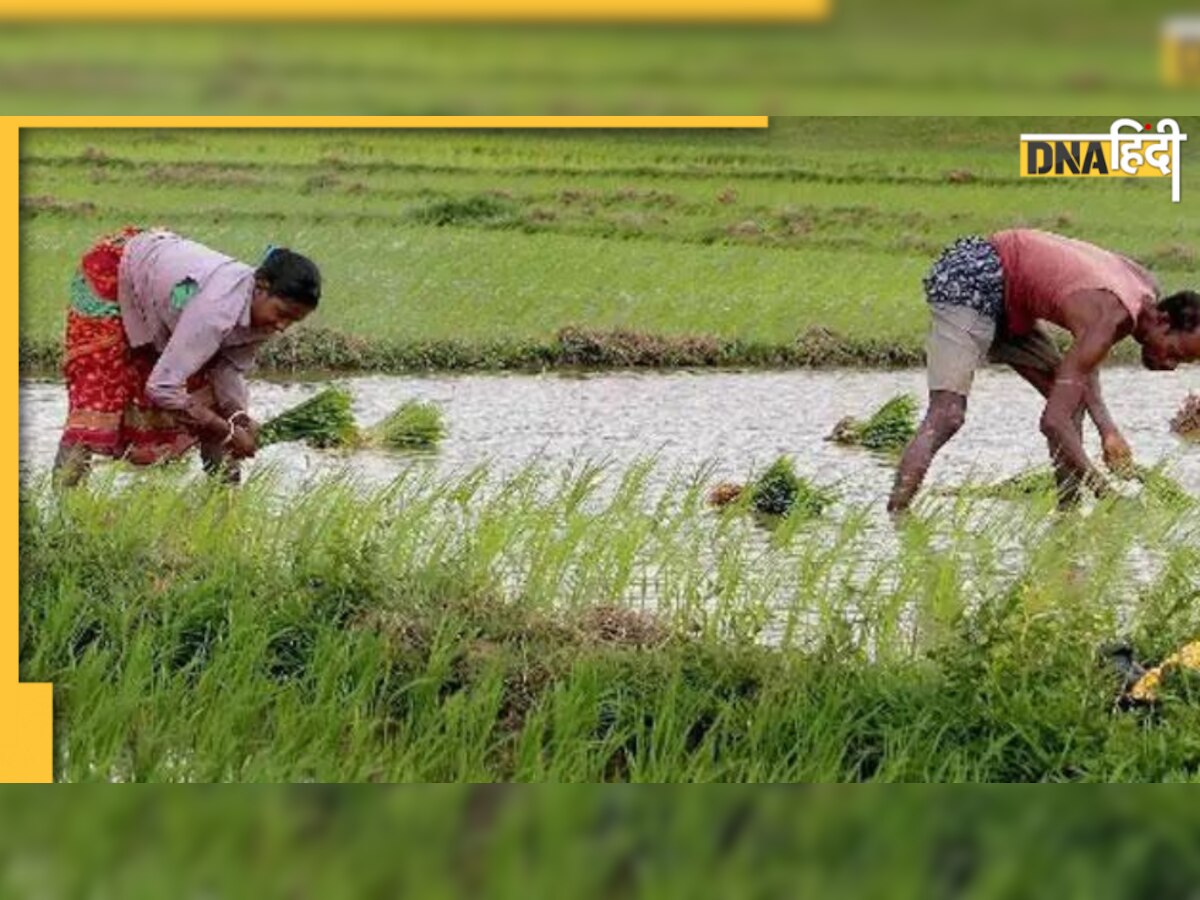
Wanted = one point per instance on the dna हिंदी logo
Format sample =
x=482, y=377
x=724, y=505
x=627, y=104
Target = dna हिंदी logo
x=1129, y=150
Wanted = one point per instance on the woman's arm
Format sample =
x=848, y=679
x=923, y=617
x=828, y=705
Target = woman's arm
x=196, y=340
x=228, y=376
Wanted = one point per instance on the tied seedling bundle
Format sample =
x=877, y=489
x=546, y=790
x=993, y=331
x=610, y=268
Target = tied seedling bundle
x=1040, y=481
x=1030, y=483
x=887, y=431
x=326, y=420
x=413, y=426
x=323, y=420
x=778, y=491
x=1158, y=487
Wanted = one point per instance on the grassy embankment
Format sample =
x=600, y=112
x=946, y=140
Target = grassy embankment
x=540, y=628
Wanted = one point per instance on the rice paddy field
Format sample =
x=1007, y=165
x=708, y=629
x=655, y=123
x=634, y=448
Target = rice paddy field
x=580, y=618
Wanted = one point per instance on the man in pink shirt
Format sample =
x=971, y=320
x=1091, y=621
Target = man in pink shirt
x=161, y=332
x=987, y=296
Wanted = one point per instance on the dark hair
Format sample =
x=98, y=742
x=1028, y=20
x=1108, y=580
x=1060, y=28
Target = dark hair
x=291, y=276
x=1182, y=309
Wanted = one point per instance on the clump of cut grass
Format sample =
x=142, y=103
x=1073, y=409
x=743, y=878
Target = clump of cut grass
x=323, y=420
x=478, y=209
x=412, y=426
x=888, y=430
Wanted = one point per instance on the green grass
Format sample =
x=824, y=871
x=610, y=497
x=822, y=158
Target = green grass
x=577, y=625
x=479, y=238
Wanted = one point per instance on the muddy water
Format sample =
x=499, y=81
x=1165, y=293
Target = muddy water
x=735, y=421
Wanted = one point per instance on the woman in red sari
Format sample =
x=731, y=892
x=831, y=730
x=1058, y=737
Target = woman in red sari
x=161, y=332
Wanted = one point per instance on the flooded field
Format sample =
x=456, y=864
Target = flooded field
x=735, y=422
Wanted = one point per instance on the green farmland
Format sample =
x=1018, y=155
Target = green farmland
x=476, y=250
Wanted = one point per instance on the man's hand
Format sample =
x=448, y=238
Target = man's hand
x=1117, y=455
x=1073, y=382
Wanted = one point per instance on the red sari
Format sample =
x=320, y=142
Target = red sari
x=107, y=408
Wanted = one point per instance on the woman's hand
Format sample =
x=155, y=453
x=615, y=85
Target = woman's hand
x=205, y=422
x=243, y=437
x=243, y=442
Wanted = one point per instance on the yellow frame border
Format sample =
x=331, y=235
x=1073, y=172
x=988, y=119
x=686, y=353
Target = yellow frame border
x=428, y=10
x=26, y=709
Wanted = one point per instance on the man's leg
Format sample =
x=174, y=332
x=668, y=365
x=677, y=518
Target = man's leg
x=945, y=416
x=958, y=341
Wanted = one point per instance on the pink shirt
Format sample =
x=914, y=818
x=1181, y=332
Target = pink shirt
x=211, y=328
x=1042, y=271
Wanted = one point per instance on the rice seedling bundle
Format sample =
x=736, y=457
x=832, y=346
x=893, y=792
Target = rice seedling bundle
x=323, y=420
x=413, y=426
x=1040, y=481
x=889, y=429
x=779, y=491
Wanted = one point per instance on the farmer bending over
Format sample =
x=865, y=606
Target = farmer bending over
x=987, y=296
x=160, y=334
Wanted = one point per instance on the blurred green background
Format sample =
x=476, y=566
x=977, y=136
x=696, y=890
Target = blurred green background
x=873, y=57
x=836, y=843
